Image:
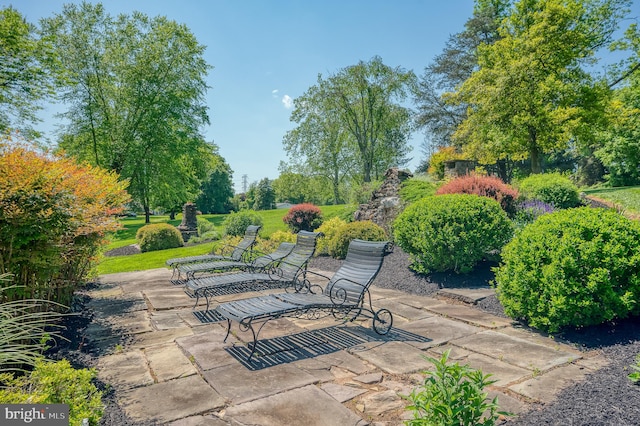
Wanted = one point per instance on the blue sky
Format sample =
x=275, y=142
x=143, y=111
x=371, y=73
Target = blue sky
x=266, y=53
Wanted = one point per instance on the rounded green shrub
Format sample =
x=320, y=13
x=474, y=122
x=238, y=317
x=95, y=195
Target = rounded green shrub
x=451, y=232
x=158, y=236
x=236, y=223
x=362, y=230
x=552, y=188
x=574, y=267
x=329, y=229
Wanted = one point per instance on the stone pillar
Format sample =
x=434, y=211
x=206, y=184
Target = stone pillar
x=189, y=225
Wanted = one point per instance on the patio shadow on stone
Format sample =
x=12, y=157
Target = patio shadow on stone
x=208, y=317
x=313, y=343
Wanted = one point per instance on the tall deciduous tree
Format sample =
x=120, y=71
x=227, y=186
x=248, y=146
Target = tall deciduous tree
x=353, y=117
x=136, y=99
x=24, y=79
x=531, y=94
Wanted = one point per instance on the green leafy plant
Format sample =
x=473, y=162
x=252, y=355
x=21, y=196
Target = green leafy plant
x=26, y=327
x=452, y=232
x=236, y=223
x=572, y=268
x=635, y=376
x=416, y=188
x=453, y=394
x=363, y=230
x=56, y=383
x=329, y=229
x=159, y=236
x=552, y=188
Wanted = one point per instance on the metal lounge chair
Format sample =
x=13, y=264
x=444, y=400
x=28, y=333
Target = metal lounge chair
x=235, y=253
x=343, y=297
x=290, y=273
x=259, y=264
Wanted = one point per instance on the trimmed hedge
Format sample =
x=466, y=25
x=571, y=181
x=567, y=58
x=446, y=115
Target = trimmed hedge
x=158, y=236
x=363, y=230
x=451, y=232
x=575, y=267
x=552, y=188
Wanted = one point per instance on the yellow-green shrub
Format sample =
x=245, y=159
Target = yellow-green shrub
x=158, y=236
x=363, y=230
x=56, y=383
x=329, y=229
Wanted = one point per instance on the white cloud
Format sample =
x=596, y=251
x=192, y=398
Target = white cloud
x=274, y=93
x=287, y=101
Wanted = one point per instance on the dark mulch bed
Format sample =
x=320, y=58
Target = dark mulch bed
x=607, y=397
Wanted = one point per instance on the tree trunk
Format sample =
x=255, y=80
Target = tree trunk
x=147, y=215
x=534, y=152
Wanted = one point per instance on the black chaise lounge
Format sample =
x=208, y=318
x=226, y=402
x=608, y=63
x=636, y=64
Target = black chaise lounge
x=259, y=264
x=343, y=297
x=287, y=273
x=239, y=253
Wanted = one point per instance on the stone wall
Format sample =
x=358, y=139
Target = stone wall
x=385, y=203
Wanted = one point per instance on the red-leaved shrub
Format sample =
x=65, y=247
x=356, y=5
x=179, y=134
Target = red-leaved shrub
x=484, y=186
x=303, y=217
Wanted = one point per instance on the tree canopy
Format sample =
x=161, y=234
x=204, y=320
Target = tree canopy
x=24, y=76
x=531, y=93
x=135, y=89
x=353, y=123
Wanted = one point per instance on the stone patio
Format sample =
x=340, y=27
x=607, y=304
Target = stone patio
x=169, y=367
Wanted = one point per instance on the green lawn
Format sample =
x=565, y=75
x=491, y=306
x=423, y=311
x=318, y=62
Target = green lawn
x=627, y=198
x=272, y=221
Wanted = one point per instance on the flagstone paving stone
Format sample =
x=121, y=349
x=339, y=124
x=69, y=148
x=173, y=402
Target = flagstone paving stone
x=169, y=366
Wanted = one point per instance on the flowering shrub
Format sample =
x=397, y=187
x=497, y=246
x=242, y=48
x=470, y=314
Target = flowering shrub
x=529, y=210
x=303, y=217
x=54, y=216
x=484, y=186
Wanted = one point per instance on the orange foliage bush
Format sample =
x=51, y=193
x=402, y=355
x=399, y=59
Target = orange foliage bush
x=484, y=186
x=54, y=216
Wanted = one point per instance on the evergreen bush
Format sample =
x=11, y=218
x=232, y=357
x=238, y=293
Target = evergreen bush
x=362, y=230
x=451, y=232
x=484, y=186
x=236, y=223
x=575, y=267
x=552, y=188
x=158, y=236
x=303, y=217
